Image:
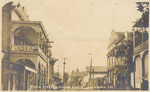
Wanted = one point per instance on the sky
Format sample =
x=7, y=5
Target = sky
x=81, y=27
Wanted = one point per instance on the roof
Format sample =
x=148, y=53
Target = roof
x=76, y=73
x=97, y=69
x=115, y=36
x=117, y=32
x=120, y=33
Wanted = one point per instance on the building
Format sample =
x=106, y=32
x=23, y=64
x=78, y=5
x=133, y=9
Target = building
x=119, y=57
x=26, y=50
x=139, y=75
x=76, y=79
x=96, y=75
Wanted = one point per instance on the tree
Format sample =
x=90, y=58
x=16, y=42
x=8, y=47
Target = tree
x=142, y=6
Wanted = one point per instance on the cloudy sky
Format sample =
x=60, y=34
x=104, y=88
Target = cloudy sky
x=81, y=27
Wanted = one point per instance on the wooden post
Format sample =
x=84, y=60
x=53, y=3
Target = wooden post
x=24, y=81
x=14, y=82
x=133, y=38
x=8, y=81
x=90, y=73
x=93, y=77
x=142, y=29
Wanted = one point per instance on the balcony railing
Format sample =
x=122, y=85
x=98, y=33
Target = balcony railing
x=24, y=48
x=118, y=62
x=27, y=49
x=141, y=47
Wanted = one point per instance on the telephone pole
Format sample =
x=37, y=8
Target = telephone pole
x=58, y=70
x=64, y=70
x=90, y=72
x=93, y=77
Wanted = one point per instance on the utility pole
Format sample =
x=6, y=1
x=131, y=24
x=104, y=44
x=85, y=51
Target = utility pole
x=142, y=29
x=64, y=70
x=58, y=70
x=90, y=72
x=93, y=77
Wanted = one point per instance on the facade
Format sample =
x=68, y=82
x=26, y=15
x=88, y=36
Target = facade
x=96, y=75
x=26, y=50
x=76, y=78
x=119, y=57
x=139, y=75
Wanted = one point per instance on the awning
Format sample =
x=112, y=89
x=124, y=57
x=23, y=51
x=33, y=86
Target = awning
x=30, y=69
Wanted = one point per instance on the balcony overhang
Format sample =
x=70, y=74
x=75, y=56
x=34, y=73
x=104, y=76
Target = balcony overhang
x=142, y=47
x=36, y=25
x=121, y=47
x=28, y=50
x=20, y=64
x=116, y=66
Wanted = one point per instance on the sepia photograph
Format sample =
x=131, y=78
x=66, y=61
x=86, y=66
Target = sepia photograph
x=74, y=45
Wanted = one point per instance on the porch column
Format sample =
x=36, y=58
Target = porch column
x=107, y=61
x=112, y=58
x=14, y=82
x=12, y=38
x=114, y=78
x=24, y=81
x=8, y=81
x=28, y=85
x=127, y=82
x=35, y=77
x=133, y=38
x=121, y=80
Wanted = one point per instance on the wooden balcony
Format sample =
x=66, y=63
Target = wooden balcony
x=140, y=48
x=120, y=63
x=116, y=64
x=27, y=49
x=24, y=48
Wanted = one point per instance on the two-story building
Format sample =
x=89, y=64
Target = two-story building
x=118, y=58
x=139, y=75
x=25, y=48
